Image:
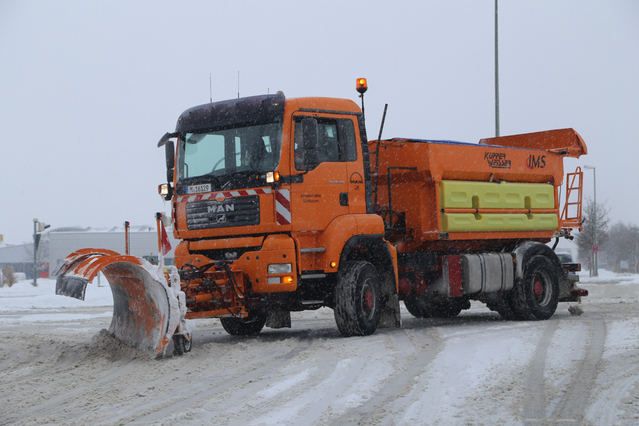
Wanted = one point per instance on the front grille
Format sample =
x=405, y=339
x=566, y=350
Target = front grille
x=236, y=211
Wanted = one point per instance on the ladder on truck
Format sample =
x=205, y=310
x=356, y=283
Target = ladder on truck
x=571, y=213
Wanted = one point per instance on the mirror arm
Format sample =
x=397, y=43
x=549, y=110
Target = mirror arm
x=164, y=139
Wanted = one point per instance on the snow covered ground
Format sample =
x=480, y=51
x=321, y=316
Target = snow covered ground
x=474, y=369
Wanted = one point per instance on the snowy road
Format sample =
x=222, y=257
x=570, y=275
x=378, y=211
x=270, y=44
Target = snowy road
x=475, y=369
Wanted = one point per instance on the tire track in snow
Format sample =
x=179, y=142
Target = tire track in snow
x=574, y=403
x=617, y=398
x=346, y=374
x=470, y=378
x=535, y=401
x=411, y=360
x=350, y=383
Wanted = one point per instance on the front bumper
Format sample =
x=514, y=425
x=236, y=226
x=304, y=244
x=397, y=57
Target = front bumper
x=218, y=288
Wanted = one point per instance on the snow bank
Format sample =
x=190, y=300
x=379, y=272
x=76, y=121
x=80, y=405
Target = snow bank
x=104, y=344
x=606, y=276
x=24, y=296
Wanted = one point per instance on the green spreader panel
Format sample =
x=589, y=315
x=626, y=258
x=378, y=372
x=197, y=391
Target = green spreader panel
x=458, y=194
x=468, y=222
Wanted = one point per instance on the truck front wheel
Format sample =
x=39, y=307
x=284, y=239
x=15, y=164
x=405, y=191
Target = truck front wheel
x=535, y=296
x=358, y=301
x=244, y=326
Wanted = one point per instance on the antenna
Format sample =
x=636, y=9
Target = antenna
x=210, y=88
x=381, y=126
x=238, y=84
x=379, y=138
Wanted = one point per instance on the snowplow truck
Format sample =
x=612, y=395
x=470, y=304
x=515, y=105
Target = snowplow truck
x=284, y=205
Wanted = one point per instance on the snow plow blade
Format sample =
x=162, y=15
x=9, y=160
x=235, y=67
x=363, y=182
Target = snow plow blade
x=146, y=310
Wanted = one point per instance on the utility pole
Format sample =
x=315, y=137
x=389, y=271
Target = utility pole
x=496, y=68
x=35, y=252
x=38, y=227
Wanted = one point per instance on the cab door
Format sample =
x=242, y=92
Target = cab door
x=321, y=191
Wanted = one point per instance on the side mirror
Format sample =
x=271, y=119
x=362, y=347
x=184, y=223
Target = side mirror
x=310, y=140
x=169, y=151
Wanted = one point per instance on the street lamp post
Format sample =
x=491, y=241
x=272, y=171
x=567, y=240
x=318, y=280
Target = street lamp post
x=496, y=68
x=594, y=270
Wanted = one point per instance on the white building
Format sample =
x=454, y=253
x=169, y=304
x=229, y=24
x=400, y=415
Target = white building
x=57, y=243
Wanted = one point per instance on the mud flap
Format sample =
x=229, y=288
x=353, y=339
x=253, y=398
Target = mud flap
x=146, y=310
x=391, y=316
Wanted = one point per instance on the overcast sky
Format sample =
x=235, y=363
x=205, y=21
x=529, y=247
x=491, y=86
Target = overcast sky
x=87, y=88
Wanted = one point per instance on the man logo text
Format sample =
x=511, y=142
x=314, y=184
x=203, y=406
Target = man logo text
x=220, y=208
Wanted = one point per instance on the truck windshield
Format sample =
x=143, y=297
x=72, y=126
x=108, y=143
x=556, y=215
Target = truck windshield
x=250, y=149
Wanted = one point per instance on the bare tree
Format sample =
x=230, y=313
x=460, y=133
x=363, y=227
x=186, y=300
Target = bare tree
x=622, y=247
x=593, y=235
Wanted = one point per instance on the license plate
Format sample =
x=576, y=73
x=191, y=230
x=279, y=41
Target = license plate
x=195, y=189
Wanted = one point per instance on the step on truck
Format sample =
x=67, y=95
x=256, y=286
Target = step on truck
x=284, y=205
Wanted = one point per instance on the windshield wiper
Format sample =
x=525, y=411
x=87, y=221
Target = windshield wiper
x=248, y=173
x=217, y=179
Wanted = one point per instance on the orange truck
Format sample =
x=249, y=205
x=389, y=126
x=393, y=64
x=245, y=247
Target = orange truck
x=284, y=205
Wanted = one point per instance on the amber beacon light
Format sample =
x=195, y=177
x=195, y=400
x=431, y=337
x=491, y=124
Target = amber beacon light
x=361, y=85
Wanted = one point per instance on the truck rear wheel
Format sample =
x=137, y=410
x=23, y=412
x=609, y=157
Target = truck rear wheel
x=535, y=296
x=250, y=326
x=358, y=301
x=497, y=302
x=417, y=307
x=420, y=308
x=449, y=308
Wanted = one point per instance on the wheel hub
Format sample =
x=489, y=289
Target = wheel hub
x=541, y=291
x=538, y=289
x=368, y=300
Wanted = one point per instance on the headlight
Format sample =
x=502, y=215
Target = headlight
x=279, y=268
x=163, y=189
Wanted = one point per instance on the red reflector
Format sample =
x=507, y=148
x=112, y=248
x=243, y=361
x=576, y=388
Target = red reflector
x=581, y=292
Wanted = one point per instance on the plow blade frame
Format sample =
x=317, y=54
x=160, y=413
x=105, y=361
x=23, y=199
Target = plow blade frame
x=146, y=310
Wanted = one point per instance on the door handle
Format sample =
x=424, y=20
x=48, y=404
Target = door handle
x=343, y=198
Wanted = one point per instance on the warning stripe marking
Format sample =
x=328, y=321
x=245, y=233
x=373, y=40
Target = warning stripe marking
x=283, y=206
x=226, y=194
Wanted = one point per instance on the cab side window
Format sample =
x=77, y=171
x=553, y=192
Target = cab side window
x=336, y=141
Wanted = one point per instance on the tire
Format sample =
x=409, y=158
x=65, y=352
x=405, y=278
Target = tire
x=421, y=308
x=358, y=299
x=499, y=304
x=178, y=345
x=417, y=307
x=250, y=326
x=447, y=309
x=535, y=296
x=188, y=344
